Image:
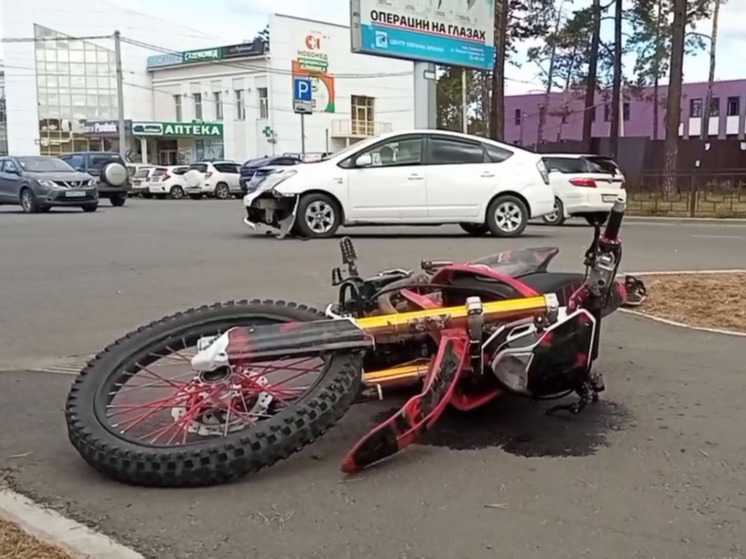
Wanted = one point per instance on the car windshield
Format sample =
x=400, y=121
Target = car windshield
x=256, y=162
x=44, y=165
x=101, y=160
x=603, y=165
x=517, y=263
x=142, y=172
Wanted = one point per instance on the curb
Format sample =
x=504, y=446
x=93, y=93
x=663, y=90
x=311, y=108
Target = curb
x=681, y=324
x=692, y=219
x=51, y=527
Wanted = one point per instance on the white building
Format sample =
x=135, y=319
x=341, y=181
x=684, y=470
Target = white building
x=60, y=86
x=246, y=95
x=53, y=79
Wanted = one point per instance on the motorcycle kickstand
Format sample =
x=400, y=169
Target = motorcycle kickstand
x=587, y=395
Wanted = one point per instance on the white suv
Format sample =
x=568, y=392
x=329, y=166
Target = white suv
x=420, y=177
x=213, y=178
x=584, y=186
x=168, y=181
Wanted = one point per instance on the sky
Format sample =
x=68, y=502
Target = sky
x=231, y=21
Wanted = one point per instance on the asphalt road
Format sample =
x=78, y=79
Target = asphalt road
x=654, y=470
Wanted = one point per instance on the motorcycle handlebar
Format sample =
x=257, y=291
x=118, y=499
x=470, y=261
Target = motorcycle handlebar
x=615, y=220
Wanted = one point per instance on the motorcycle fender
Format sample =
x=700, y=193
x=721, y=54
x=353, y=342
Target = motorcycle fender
x=420, y=413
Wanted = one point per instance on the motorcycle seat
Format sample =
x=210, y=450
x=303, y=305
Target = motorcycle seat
x=563, y=284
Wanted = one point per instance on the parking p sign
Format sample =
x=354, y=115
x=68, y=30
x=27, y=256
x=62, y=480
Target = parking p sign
x=302, y=95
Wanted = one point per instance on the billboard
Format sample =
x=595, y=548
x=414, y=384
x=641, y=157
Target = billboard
x=312, y=61
x=447, y=32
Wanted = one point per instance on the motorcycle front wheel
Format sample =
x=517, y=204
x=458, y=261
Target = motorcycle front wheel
x=132, y=419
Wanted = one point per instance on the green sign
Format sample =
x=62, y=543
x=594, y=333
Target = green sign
x=204, y=54
x=173, y=129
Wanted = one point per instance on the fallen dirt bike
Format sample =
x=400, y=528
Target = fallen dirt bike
x=266, y=378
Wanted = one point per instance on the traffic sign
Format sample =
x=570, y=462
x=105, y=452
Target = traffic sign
x=302, y=89
x=302, y=95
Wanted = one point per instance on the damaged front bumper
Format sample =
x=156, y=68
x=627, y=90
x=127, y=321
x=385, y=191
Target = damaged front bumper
x=272, y=211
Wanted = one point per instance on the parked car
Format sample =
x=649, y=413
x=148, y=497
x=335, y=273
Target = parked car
x=213, y=178
x=140, y=180
x=168, y=181
x=422, y=177
x=584, y=186
x=249, y=168
x=38, y=183
x=108, y=168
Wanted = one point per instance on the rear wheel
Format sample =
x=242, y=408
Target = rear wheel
x=176, y=192
x=90, y=207
x=507, y=216
x=597, y=218
x=222, y=191
x=475, y=229
x=215, y=427
x=557, y=217
x=119, y=200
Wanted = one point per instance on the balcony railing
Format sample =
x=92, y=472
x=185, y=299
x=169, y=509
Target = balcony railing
x=359, y=128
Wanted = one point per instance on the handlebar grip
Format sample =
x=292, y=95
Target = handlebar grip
x=615, y=220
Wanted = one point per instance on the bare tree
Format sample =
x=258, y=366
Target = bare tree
x=705, y=131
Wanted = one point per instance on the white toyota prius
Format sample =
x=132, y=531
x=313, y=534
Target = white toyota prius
x=418, y=177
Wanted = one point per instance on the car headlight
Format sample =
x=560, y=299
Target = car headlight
x=273, y=180
x=49, y=184
x=91, y=182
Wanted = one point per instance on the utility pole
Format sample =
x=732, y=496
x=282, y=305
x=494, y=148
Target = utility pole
x=705, y=126
x=464, y=117
x=120, y=94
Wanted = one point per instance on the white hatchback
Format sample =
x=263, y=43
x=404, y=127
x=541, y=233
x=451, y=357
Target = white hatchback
x=168, y=181
x=220, y=179
x=418, y=177
x=584, y=186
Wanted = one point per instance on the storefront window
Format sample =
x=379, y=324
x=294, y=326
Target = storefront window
x=75, y=81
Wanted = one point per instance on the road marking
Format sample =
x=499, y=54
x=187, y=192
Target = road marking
x=717, y=236
x=52, y=527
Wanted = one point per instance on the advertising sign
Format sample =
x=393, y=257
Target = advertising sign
x=312, y=62
x=253, y=48
x=196, y=129
x=103, y=128
x=447, y=32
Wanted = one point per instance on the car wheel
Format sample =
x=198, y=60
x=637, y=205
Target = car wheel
x=196, y=196
x=45, y=209
x=507, y=216
x=118, y=201
x=28, y=202
x=475, y=229
x=222, y=191
x=176, y=192
x=599, y=218
x=88, y=208
x=147, y=195
x=318, y=216
x=557, y=217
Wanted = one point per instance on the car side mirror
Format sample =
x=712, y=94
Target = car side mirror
x=364, y=160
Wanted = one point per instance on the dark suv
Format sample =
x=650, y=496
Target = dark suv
x=108, y=168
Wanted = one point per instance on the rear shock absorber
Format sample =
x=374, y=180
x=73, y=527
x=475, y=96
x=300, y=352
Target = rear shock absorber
x=475, y=323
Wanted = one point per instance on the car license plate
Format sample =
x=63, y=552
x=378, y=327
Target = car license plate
x=608, y=197
x=75, y=194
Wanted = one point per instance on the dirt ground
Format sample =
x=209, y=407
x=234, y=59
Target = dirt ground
x=17, y=544
x=704, y=300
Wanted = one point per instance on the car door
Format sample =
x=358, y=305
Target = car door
x=393, y=186
x=460, y=176
x=11, y=180
x=233, y=176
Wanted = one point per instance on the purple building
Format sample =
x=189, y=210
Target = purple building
x=565, y=116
